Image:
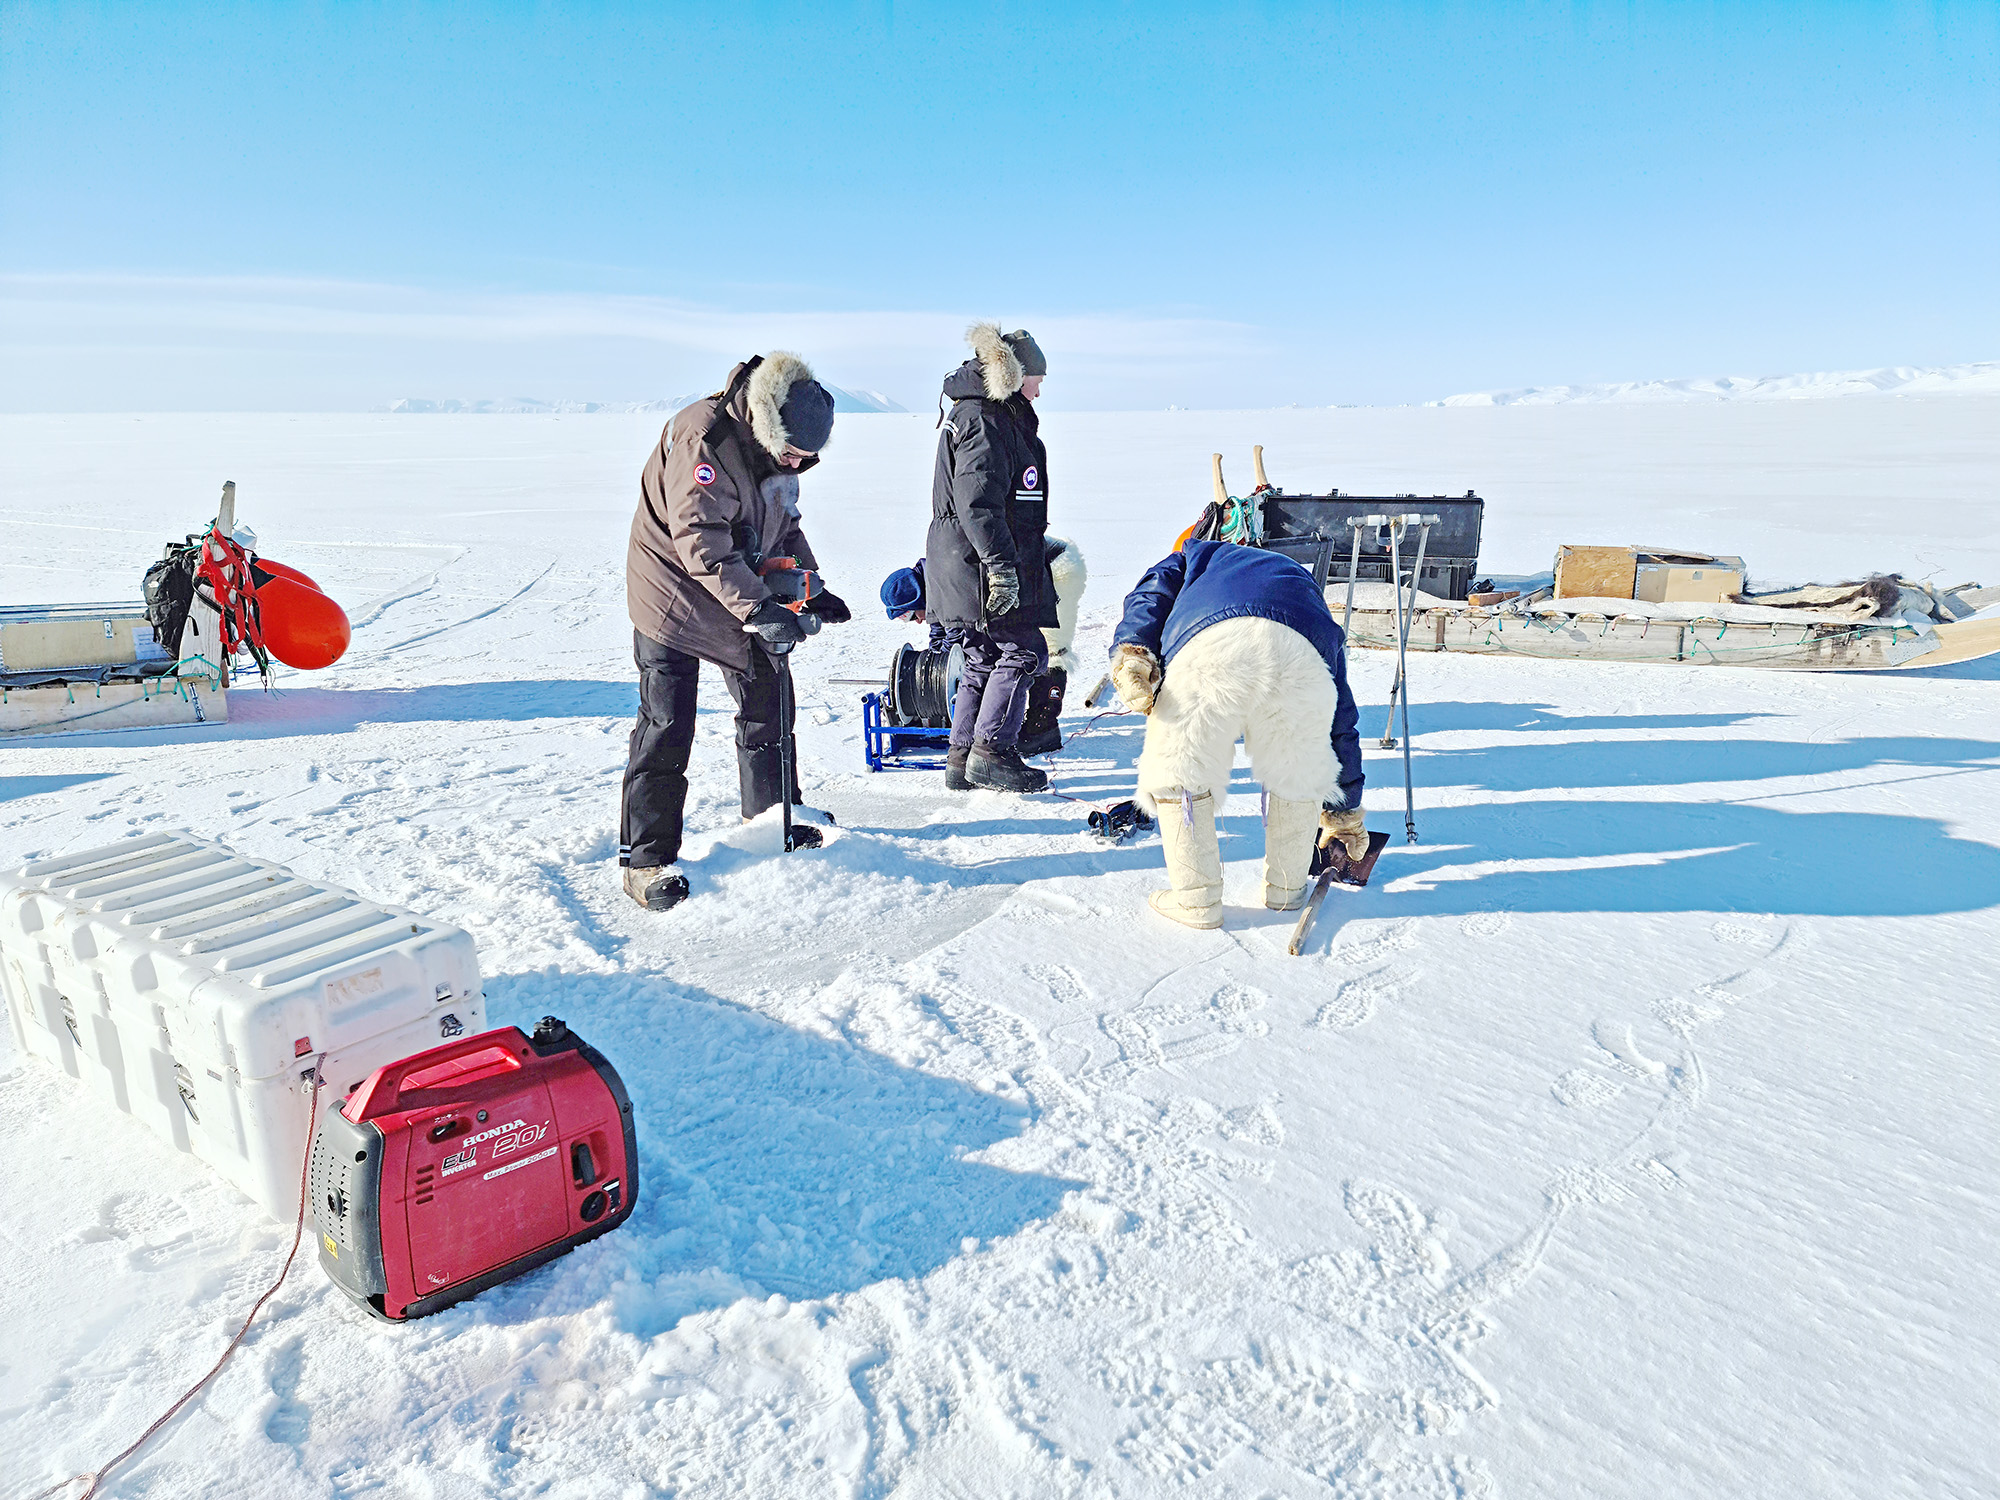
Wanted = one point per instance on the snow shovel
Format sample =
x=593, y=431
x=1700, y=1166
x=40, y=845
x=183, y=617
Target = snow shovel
x=1338, y=867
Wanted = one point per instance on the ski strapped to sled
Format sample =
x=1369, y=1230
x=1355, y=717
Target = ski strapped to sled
x=1338, y=868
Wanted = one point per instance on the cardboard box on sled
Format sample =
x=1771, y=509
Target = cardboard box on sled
x=1655, y=574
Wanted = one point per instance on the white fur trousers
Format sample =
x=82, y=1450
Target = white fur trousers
x=1249, y=679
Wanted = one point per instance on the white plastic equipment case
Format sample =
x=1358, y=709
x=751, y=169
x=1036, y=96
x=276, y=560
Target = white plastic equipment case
x=192, y=988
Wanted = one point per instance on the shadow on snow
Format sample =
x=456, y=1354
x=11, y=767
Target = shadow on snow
x=772, y=1160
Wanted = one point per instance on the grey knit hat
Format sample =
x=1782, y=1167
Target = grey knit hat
x=1028, y=352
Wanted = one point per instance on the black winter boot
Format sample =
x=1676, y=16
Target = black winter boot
x=954, y=769
x=1000, y=769
x=1041, y=728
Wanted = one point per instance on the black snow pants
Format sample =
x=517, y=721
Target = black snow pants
x=656, y=784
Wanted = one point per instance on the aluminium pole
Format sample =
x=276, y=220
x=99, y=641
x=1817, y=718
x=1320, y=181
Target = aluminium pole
x=1402, y=662
x=1409, y=783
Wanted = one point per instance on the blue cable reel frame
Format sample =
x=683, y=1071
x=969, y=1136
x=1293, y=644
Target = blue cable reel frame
x=898, y=747
x=909, y=727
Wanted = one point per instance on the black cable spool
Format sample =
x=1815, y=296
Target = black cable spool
x=923, y=681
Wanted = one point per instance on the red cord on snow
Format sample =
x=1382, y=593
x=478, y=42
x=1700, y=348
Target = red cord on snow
x=298, y=1232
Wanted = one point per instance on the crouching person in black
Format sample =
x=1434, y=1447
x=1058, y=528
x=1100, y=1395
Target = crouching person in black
x=987, y=571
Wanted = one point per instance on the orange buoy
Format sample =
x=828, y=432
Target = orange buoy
x=302, y=627
x=283, y=570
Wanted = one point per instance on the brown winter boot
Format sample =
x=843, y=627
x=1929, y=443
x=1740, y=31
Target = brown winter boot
x=655, y=887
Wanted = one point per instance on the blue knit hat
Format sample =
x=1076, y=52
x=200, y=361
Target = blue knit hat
x=902, y=591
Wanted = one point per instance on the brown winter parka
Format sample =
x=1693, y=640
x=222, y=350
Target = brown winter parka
x=712, y=499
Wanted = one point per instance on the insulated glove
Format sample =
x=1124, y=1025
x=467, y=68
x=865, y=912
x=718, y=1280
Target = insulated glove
x=777, y=625
x=1003, y=589
x=1135, y=674
x=1345, y=826
x=830, y=607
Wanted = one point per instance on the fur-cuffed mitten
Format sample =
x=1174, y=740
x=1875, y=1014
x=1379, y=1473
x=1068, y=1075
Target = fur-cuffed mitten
x=1135, y=676
x=1348, y=826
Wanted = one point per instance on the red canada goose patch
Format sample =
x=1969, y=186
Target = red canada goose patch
x=1032, y=478
x=704, y=474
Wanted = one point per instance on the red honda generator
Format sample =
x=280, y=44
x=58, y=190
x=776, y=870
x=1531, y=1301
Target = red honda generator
x=461, y=1167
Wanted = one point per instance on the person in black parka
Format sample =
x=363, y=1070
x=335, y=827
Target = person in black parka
x=986, y=565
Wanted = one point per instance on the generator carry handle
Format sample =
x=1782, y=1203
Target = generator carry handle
x=382, y=1093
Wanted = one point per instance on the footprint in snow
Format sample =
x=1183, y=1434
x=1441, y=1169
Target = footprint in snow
x=1137, y=1046
x=1395, y=939
x=1574, y=1186
x=1254, y=1124
x=1585, y=1088
x=1065, y=985
x=146, y=1217
x=1684, y=1017
x=1354, y=1002
x=1486, y=924
x=1624, y=1051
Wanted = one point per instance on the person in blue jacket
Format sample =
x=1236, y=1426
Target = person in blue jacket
x=1221, y=642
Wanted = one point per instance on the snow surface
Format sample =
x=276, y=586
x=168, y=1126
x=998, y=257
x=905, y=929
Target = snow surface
x=1895, y=380
x=1632, y=1136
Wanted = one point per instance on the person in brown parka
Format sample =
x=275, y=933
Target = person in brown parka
x=718, y=497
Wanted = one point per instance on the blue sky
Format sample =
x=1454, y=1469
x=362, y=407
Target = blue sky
x=327, y=207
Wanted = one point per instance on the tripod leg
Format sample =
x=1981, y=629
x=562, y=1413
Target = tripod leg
x=1409, y=782
x=1409, y=617
x=1402, y=673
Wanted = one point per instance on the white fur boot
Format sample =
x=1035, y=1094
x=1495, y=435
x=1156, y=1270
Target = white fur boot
x=1194, y=862
x=1291, y=829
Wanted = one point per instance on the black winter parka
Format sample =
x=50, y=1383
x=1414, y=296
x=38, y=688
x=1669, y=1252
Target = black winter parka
x=989, y=504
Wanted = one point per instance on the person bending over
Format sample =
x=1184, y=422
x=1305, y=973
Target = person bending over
x=1223, y=642
x=718, y=498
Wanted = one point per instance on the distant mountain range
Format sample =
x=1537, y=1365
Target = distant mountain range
x=843, y=400
x=1893, y=380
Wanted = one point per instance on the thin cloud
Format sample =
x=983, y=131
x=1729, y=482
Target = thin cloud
x=89, y=313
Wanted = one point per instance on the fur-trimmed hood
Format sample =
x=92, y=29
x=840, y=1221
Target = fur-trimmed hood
x=999, y=366
x=763, y=397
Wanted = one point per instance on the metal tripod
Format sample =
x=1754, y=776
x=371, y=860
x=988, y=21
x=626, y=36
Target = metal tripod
x=1405, y=614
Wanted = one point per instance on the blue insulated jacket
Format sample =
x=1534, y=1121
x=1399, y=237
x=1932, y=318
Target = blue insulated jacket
x=1188, y=591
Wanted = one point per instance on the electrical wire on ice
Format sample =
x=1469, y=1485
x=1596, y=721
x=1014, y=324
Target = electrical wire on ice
x=298, y=1232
